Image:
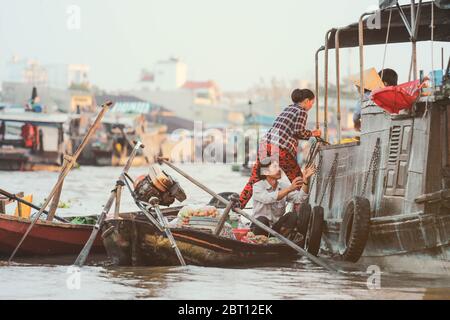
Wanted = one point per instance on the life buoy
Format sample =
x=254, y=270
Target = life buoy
x=314, y=233
x=355, y=229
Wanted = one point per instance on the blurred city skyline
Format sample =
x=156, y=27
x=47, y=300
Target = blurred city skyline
x=235, y=43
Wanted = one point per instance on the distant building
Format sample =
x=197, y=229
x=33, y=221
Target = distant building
x=58, y=76
x=53, y=99
x=64, y=76
x=167, y=75
x=204, y=92
x=26, y=71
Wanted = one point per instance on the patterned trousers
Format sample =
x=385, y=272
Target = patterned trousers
x=288, y=163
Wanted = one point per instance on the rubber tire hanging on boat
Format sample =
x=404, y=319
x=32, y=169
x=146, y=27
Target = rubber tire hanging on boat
x=355, y=229
x=313, y=235
x=216, y=203
x=304, y=213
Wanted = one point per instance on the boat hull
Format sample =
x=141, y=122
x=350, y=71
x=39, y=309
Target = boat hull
x=45, y=239
x=136, y=242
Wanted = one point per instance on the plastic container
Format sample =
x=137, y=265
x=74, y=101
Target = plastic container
x=240, y=233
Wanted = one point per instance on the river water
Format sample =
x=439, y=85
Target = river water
x=86, y=189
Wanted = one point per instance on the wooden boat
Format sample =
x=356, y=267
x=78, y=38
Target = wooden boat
x=45, y=239
x=133, y=240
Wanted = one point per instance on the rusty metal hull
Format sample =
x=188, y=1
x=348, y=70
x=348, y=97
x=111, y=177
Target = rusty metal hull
x=137, y=242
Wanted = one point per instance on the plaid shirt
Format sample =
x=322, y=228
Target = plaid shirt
x=288, y=128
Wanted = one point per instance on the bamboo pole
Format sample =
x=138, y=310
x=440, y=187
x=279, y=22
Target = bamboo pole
x=64, y=173
x=55, y=200
x=223, y=218
x=288, y=242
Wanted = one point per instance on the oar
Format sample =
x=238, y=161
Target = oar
x=291, y=244
x=154, y=202
x=64, y=172
x=81, y=259
x=223, y=218
x=14, y=197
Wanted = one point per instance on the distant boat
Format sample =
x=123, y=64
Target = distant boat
x=32, y=141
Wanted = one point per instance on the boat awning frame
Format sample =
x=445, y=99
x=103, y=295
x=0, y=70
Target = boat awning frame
x=348, y=36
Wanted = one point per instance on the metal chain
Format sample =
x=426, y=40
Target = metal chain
x=376, y=164
x=374, y=161
x=319, y=168
x=333, y=182
x=330, y=175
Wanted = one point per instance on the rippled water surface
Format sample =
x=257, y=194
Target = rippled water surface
x=85, y=191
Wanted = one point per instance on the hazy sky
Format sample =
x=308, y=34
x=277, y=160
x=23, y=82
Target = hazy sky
x=235, y=42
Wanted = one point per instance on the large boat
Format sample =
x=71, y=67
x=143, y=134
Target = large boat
x=387, y=193
x=32, y=141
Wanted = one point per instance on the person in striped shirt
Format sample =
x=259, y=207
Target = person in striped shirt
x=282, y=139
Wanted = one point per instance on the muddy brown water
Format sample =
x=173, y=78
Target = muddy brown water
x=85, y=191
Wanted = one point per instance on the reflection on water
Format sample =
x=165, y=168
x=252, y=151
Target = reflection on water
x=88, y=188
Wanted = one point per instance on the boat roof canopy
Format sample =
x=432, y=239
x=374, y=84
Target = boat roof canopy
x=34, y=118
x=348, y=36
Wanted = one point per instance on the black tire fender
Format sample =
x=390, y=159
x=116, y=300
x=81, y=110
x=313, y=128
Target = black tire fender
x=303, y=215
x=314, y=233
x=355, y=229
x=218, y=204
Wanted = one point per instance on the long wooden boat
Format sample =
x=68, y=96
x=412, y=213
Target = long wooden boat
x=133, y=240
x=45, y=239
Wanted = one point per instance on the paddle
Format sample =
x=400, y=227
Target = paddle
x=154, y=202
x=81, y=259
x=64, y=172
x=14, y=197
x=288, y=242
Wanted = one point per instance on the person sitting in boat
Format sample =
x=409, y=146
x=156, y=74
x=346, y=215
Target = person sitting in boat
x=271, y=196
x=282, y=138
x=389, y=78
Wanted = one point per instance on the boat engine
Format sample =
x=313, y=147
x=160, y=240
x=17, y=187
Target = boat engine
x=158, y=184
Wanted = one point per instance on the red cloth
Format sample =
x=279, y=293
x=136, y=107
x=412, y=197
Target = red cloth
x=396, y=98
x=288, y=163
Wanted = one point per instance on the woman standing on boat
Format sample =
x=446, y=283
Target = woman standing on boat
x=282, y=139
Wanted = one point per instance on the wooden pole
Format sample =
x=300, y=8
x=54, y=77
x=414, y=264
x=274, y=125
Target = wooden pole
x=154, y=202
x=223, y=218
x=291, y=244
x=81, y=259
x=55, y=200
x=64, y=173
x=317, y=86
x=338, y=84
